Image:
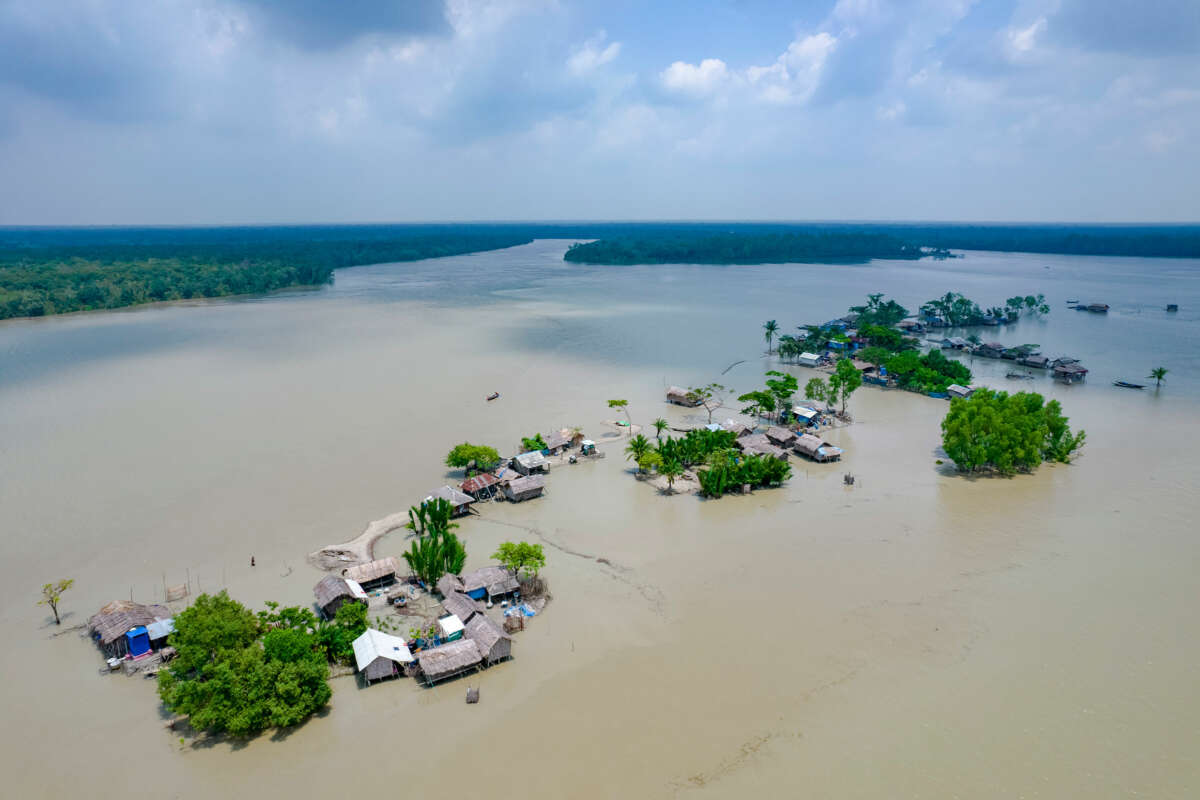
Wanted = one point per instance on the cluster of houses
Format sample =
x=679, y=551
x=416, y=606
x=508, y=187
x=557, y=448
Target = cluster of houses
x=465, y=637
x=1064, y=368
x=779, y=442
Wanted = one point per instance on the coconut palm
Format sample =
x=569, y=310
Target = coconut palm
x=660, y=425
x=671, y=470
x=770, y=328
x=638, y=446
x=1159, y=374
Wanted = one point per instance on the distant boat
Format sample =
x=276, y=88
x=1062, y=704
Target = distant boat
x=1019, y=376
x=493, y=396
x=1072, y=302
x=1128, y=385
x=1173, y=307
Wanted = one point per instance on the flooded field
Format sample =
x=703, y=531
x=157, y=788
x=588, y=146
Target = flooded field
x=919, y=634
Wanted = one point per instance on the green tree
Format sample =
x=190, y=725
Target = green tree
x=521, y=557
x=535, y=442
x=816, y=390
x=431, y=516
x=761, y=404
x=874, y=355
x=1158, y=373
x=783, y=388
x=843, y=382
x=466, y=454
x=671, y=470
x=623, y=406
x=432, y=556
x=660, y=425
x=770, y=328
x=638, y=446
x=52, y=593
x=996, y=431
x=877, y=312
x=651, y=459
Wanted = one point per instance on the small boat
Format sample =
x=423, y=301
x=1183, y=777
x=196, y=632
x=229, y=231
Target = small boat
x=493, y=396
x=1019, y=376
x=1072, y=302
x=1172, y=307
x=1128, y=385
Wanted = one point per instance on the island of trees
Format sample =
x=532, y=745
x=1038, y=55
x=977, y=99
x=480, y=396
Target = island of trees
x=58, y=275
x=740, y=248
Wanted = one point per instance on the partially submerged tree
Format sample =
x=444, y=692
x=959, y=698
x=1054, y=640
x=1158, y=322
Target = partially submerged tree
x=623, y=406
x=52, y=593
x=638, y=446
x=521, y=556
x=466, y=455
x=1159, y=374
x=431, y=516
x=535, y=442
x=783, y=388
x=660, y=425
x=710, y=397
x=816, y=390
x=671, y=470
x=430, y=557
x=878, y=312
x=1003, y=433
x=760, y=403
x=843, y=382
x=770, y=328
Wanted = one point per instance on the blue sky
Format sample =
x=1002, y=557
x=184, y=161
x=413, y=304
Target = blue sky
x=251, y=111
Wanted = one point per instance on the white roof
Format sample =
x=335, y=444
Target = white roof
x=356, y=589
x=804, y=411
x=373, y=644
x=450, y=624
x=954, y=388
x=451, y=495
x=809, y=357
x=533, y=458
x=588, y=443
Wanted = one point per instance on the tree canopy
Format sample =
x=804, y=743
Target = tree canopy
x=521, y=557
x=465, y=454
x=1003, y=433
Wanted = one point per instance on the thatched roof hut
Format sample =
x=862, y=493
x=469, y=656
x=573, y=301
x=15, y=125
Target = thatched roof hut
x=332, y=592
x=493, y=642
x=490, y=581
x=461, y=606
x=781, y=437
x=460, y=501
x=374, y=574
x=738, y=429
x=109, y=625
x=380, y=655
x=479, y=486
x=448, y=660
x=816, y=449
x=526, y=488
x=759, y=444
x=449, y=584
x=556, y=442
x=682, y=397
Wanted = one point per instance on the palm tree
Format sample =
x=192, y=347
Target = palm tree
x=660, y=425
x=771, y=327
x=638, y=446
x=671, y=470
x=1158, y=373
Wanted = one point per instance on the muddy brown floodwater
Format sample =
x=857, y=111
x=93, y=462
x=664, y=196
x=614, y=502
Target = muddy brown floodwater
x=917, y=634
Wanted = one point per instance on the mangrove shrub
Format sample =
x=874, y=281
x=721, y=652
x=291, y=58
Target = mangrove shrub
x=997, y=432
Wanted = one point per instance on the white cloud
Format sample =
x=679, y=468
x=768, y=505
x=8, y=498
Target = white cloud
x=592, y=55
x=697, y=80
x=1023, y=40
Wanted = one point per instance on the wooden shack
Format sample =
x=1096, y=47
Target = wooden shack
x=461, y=606
x=109, y=625
x=374, y=574
x=682, y=397
x=460, y=501
x=816, y=449
x=448, y=660
x=556, y=443
x=527, y=488
x=780, y=437
x=333, y=592
x=492, y=582
x=529, y=463
x=481, y=486
x=379, y=655
x=759, y=444
x=1070, y=373
x=494, y=643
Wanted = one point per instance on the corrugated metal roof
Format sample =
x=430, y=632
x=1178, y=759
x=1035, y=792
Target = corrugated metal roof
x=374, y=644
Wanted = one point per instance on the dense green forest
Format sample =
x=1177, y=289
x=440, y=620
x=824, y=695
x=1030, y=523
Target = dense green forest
x=739, y=248
x=42, y=275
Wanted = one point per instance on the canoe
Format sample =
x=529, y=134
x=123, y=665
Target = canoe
x=493, y=396
x=1128, y=385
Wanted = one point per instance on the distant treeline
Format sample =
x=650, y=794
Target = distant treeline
x=738, y=248
x=44, y=273
x=1150, y=241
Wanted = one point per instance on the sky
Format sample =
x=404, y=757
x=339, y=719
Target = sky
x=290, y=111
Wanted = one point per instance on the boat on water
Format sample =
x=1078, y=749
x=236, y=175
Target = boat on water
x=1129, y=385
x=1095, y=308
x=1019, y=376
x=493, y=396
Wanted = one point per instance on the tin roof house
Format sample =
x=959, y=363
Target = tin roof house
x=379, y=655
x=458, y=499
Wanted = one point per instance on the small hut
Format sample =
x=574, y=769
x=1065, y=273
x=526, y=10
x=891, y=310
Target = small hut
x=449, y=584
x=459, y=500
x=990, y=350
x=450, y=627
x=1070, y=372
x=682, y=397
x=110, y=624
x=556, y=443
x=492, y=582
x=461, y=606
x=529, y=463
x=380, y=655
x=805, y=415
x=737, y=429
x=374, y=574
x=808, y=359
x=448, y=660
x=494, y=643
x=481, y=486
x=956, y=390
x=333, y=592
x=954, y=343
x=526, y=488
x=780, y=437
x=816, y=449
x=759, y=444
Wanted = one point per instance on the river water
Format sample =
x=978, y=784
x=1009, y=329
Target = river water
x=920, y=634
